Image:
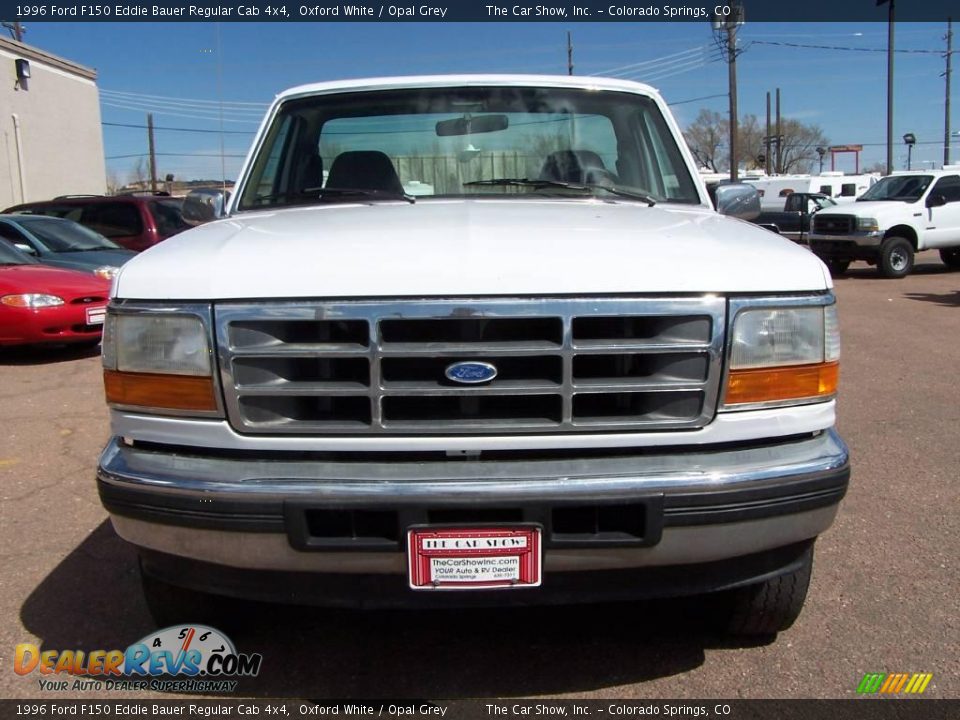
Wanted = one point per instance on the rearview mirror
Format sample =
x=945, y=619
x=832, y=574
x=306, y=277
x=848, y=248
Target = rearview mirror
x=738, y=200
x=203, y=205
x=937, y=200
x=24, y=248
x=472, y=125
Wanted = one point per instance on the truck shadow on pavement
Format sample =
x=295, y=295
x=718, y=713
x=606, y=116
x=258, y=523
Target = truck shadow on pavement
x=945, y=299
x=38, y=355
x=92, y=601
x=862, y=270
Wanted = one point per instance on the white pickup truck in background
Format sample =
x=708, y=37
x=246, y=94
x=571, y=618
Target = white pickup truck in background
x=901, y=215
x=557, y=375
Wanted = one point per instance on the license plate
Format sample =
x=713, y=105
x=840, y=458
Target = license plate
x=474, y=558
x=95, y=315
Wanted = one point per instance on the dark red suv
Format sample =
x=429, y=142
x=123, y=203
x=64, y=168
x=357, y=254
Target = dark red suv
x=134, y=221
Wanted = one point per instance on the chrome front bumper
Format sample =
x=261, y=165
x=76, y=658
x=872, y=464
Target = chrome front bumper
x=861, y=239
x=702, y=504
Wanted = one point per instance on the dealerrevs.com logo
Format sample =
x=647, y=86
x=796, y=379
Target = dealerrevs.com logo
x=182, y=658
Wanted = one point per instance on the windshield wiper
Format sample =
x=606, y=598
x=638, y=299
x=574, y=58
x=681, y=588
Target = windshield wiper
x=385, y=194
x=583, y=187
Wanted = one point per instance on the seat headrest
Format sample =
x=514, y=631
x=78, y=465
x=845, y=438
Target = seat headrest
x=570, y=165
x=364, y=170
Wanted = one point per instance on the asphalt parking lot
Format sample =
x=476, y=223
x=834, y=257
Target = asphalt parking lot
x=885, y=595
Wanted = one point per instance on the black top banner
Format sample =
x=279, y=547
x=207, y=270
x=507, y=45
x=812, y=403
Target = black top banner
x=565, y=11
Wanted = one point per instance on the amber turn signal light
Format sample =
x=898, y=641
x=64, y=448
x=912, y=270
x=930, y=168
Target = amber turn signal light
x=795, y=382
x=150, y=390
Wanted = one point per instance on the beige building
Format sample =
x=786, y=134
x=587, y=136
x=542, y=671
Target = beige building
x=51, y=142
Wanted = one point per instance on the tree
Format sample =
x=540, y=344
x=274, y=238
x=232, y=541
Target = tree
x=705, y=136
x=750, y=146
x=113, y=182
x=708, y=136
x=800, y=143
x=139, y=173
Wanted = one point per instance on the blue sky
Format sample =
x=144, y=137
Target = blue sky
x=178, y=65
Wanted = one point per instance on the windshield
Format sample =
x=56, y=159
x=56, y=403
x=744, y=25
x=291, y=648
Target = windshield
x=60, y=235
x=468, y=142
x=9, y=255
x=906, y=188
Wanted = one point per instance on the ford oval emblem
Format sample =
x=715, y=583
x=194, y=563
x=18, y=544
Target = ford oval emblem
x=471, y=372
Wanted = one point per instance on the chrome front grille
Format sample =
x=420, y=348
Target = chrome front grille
x=563, y=365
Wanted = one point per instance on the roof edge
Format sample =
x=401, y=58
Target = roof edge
x=380, y=83
x=33, y=53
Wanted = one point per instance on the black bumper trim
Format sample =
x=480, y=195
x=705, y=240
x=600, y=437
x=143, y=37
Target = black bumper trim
x=788, y=497
x=791, y=496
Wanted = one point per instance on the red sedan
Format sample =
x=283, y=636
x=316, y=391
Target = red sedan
x=41, y=304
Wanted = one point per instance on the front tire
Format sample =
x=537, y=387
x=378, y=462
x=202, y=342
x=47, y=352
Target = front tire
x=896, y=258
x=771, y=606
x=951, y=257
x=837, y=267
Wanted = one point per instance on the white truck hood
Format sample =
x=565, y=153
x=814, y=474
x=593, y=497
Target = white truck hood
x=875, y=209
x=474, y=247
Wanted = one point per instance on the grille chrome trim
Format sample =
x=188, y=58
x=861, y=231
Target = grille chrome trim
x=686, y=327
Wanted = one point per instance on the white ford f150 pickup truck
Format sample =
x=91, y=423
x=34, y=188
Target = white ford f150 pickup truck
x=902, y=214
x=562, y=376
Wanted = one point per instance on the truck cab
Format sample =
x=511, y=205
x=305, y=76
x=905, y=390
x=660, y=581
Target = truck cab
x=793, y=221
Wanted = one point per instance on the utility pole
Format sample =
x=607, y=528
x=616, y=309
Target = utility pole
x=779, y=137
x=569, y=53
x=153, y=154
x=725, y=30
x=767, y=160
x=890, y=19
x=16, y=30
x=946, y=105
x=732, y=72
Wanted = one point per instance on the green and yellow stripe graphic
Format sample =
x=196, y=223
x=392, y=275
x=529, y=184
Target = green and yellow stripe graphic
x=892, y=683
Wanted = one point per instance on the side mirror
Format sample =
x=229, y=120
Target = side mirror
x=937, y=200
x=204, y=205
x=738, y=200
x=24, y=248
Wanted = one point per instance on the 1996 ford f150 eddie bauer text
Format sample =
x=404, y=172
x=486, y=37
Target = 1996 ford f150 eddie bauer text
x=473, y=339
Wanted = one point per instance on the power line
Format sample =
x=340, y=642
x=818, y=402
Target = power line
x=168, y=154
x=852, y=49
x=192, y=101
x=618, y=70
x=657, y=76
x=137, y=108
x=177, y=129
x=248, y=114
x=696, y=99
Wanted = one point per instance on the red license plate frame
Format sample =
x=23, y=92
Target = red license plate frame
x=474, y=558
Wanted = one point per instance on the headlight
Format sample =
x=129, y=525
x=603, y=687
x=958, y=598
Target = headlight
x=107, y=272
x=868, y=224
x=158, y=361
x=175, y=344
x=783, y=356
x=31, y=300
